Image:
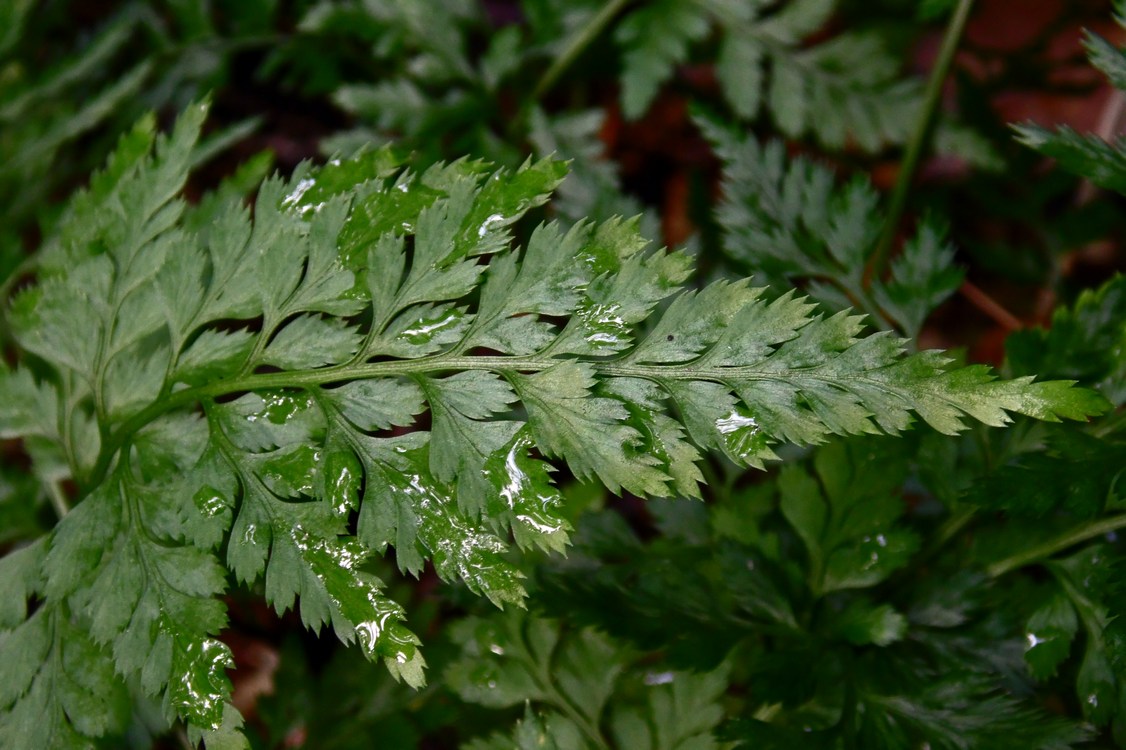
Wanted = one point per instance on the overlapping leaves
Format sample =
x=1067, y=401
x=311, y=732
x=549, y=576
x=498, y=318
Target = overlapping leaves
x=1100, y=161
x=806, y=582
x=786, y=221
x=248, y=396
x=582, y=682
x=1074, y=468
x=842, y=88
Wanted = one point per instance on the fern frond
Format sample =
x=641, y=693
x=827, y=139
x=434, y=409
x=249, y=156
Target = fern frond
x=844, y=89
x=241, y=383
x=787, y=222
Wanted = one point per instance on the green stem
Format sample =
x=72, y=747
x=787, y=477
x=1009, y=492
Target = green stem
x=575, y=47
x=560, y=701
x=541, y=674
x=950, y=528
x=242, y=383
x=920, y=136
x=864, y=301
x=26, y=266
x=58, y=498
x=577, y=44
x=1046, y=549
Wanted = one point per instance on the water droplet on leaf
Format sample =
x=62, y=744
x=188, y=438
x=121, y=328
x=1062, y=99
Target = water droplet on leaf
x=209, y=502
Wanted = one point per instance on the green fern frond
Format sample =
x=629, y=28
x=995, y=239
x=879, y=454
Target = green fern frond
x=844, y=89
x=247, y=396
x=787, y=222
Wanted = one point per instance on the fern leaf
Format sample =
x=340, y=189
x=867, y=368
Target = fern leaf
x=785, y=221
x=843, y=89
x=656, y=38
x=358, y=299
x=61, y=690
x=579, y=678
x=1102, y=162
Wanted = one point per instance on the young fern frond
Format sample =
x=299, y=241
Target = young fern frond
x=845, y=88
x=1100, y=161
x=787, y=222
x=244, y=395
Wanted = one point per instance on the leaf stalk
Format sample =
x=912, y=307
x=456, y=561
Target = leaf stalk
x=1079, y=534
x=578, y=43
x=58, y=498
x=920, y=137
x=575, y=47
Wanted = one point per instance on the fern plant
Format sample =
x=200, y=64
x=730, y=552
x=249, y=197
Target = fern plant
x=242, y=396
x=787, y=222
x=847, y=87
x=821, y=598
x=58, y=119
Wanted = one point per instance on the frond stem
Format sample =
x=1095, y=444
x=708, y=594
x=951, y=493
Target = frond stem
x=58, y=498
x=577, y=44
x=241, y=383
x=920, y=137
x=575, y=47
x=1081, y=533
x=25, y=268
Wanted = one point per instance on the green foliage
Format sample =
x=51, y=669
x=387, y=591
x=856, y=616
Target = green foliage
x=431, y=86
x=1101, y=162
x=344, y=332
x=1074, y=470
x=583, y=681
x=788, y=223
x=58, y=120
x=408, y=391
x=844, y=88
x=1085, y=342
x=813, y=580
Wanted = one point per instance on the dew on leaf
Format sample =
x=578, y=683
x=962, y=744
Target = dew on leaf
x=603, y=325
x=370, y=633
x=487, y=225
x=250, y=535
x=874, y=556
x=293, y=473
x=529, y=495
x=343, y=554
x=517, y=480
x=202, y=673
x=209, y=502
x=343, y=473
x=279, y=407
x=741, y=434
x=425, y=330
x=734, y=422
x=540, y=524
x=299, y=191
